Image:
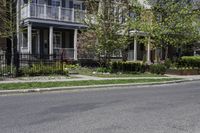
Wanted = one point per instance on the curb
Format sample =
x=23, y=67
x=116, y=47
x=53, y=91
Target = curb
x=76, y=88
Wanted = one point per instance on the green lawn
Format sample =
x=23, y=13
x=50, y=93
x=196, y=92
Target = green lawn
x=12, y=86
x=89, y=72
x=117, y=75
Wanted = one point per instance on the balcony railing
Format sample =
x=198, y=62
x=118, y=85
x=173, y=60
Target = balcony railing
x=32, y=10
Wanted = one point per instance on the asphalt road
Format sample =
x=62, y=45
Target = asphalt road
x=158, y=109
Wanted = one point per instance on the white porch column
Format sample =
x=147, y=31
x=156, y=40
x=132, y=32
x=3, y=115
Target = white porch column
x=135, y=48
x=29, y=38
x=29, y=9
x=60, y=13
x=73, y=15
x=51, y=40
x=75, y=44
x=149, y=51
x=45, y=10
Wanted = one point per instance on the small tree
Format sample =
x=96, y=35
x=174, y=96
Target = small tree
x=108, y=24
x=8, y=28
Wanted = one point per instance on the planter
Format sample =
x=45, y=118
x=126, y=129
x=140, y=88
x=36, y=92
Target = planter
x=183, y=71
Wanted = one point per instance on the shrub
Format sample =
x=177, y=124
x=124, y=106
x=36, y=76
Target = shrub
x=43, y=70
x=89, y=63
x=158, y=69
x=128, y=67
x=189, y=62
x=103, y=70
x=6, y=71
x=168, y=63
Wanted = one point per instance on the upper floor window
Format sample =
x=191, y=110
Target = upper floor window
x=56, y=3
x=77, y=5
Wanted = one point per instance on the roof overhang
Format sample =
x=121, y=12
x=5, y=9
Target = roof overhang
x=54, y=23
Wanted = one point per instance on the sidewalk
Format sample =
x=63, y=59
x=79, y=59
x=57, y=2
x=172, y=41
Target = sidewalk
x=188, y=77
x=73, y=78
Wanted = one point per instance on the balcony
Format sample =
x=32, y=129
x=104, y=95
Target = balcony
x=38, y=11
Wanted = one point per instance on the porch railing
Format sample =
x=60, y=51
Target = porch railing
x=67, y=53
x=40, y=11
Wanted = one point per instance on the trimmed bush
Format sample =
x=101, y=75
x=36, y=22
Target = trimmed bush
x=189, y=62
x=158, y=69
x=128, y=67
x=6, y=71
x=103, y=70
x=43, y=70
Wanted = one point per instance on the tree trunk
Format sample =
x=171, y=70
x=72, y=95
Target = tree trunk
x=12, y=54
x=166, y=52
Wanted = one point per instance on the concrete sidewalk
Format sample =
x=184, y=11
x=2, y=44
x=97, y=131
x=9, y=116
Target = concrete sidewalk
x=73, y=78
x=188, y=77
x=85, y=77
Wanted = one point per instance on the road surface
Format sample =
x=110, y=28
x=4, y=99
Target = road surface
x=157, y=109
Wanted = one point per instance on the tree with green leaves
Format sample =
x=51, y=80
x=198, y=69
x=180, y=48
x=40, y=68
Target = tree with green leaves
x=174, y=24
x=107, y=20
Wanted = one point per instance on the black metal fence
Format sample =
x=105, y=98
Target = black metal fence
x=12, y=65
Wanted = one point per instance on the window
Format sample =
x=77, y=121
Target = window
x=77, y=6
x=57, y=40
x=56, y=3
x=24, y=40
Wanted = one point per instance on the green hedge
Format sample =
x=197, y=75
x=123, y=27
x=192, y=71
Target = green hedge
x=158, y=69
x=128, y=67
x=42, y=70
x=189, y=62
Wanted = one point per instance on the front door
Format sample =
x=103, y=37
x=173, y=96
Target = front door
x=35, y=42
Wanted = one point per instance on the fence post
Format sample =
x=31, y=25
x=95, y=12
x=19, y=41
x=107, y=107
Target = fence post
x=16, y=63
x=62, y=63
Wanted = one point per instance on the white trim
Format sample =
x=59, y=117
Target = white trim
x=75, y=44
x=51, y=40
x=149, y=51
x=29, y=38
x=135, y=48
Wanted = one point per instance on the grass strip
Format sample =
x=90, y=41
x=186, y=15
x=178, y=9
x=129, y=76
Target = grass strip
x=32, y=85
x=127, y=75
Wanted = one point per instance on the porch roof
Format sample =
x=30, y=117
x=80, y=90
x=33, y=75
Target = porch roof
x=54, y=23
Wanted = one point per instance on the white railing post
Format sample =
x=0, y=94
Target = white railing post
x=72, y=15
x=29, y=9
x=60, y=13
x=45, y=11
